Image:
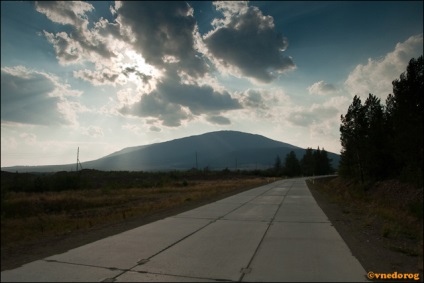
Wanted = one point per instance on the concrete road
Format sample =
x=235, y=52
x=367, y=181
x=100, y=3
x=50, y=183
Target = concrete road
x=276, y=232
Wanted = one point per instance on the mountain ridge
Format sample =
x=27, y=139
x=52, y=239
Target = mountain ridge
x=213, y=150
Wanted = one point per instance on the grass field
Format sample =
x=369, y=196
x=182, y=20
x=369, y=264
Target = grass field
x=100, y=198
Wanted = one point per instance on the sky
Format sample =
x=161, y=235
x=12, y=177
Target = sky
x=102, y=76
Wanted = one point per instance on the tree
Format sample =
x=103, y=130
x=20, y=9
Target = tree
x=307, y=162
x=277, y=165
x=405, y=111
x=363, y=136
x=384, y=142
x=352, y=131
x=323, y=162
x=292, y=165
x=375, y=151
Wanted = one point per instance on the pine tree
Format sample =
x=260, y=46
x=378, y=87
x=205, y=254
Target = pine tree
x=352, y=138
x=406, y=114
x=277, y=165
x=292, y=165
x=307, y=163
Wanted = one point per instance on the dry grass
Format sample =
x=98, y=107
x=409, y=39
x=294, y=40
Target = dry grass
x=391, y=208
x=28, y=216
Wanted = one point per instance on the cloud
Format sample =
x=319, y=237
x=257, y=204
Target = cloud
x=377, y=75
x=163, y=34
x=219, y=120
x=153, y=105
x=199, y=99
x=33, y=97
x=93, y=131
x=159, y=49
x=28, y=138
x=81, y=44
x=108, y=46
x=254, y=99
x=155, y=129
x=266, y=104
x=105, y=77
x=322, y=88
x=246, y=43
x=305, y=117
x=65, y=12
x=172, y=102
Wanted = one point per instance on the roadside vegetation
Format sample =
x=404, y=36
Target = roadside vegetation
x=381, y=167
x=391, y=209
x=46, y=205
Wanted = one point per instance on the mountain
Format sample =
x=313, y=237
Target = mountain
x=215, y=150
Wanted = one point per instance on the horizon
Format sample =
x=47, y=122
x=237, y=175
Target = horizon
x=299, y=157
x=103, y=76
x=158, y=143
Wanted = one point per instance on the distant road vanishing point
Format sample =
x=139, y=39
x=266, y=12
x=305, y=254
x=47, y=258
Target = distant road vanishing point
x=275, y=232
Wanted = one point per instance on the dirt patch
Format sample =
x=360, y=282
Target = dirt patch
x=375, y=252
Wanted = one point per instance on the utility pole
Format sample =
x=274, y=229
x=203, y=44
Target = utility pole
x=78, y=162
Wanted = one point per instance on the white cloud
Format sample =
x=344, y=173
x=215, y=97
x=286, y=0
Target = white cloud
x=377, y=75
x=92, y=131
x=302, y=116
x=65, y=12
x=8, y=143
x=322, y=88
x=28, y=138
x=104, y=77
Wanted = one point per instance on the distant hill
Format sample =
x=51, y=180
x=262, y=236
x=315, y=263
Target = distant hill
x=215, y=150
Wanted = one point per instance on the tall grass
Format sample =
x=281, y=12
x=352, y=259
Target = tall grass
x=28, y=216
x=392, y=208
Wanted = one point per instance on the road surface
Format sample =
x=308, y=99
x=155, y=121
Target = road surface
x=275, y=232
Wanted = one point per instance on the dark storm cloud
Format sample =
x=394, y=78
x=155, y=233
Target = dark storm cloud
x=164, y=32
x=25, y=99
x=166, y=102
x=153, y=105
x=199, y=99
x=248, y=40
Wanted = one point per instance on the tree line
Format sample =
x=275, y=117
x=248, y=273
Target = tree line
x=382, y=142
x=313, y=162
